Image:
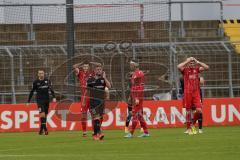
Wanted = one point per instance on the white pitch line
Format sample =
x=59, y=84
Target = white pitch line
x=13, y=149
x=39, y=155
x=64, y=155
x=72, y=126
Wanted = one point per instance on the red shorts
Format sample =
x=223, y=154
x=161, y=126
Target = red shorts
x=136, y=109
x=85, y=108
x=192, y=100
x=137, y=94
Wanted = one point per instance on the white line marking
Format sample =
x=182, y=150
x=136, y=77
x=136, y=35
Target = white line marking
x=72, y=126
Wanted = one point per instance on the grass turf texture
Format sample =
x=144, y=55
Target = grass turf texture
x=216, y=143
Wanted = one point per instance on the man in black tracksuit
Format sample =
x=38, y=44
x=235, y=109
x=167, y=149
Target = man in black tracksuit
x=42, y=86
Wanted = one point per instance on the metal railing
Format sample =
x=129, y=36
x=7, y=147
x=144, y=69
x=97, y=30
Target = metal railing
x=153, y=65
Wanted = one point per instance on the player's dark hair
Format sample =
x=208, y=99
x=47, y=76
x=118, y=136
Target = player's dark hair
x=86, y=62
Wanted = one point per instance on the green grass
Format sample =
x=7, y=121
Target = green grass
x=216, y=143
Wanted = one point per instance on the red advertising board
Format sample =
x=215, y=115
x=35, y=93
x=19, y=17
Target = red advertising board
x=158, y=114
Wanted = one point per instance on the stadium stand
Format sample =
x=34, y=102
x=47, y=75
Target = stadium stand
x=232, y=30
x=47, y=50
x=95, y=33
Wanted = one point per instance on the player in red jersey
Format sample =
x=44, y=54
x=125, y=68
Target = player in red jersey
x=190, y=69
x=200, y=117
x=137, y=96
x=83, y=72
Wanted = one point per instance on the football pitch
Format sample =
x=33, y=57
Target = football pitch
x=216, y=143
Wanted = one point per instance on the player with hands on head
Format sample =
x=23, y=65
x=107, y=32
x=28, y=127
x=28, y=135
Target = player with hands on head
x=83, y=72
x=190, y=69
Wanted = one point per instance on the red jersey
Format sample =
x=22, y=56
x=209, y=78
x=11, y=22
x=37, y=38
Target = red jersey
x=83, y=77
x=137, y=84
x=191, y=79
